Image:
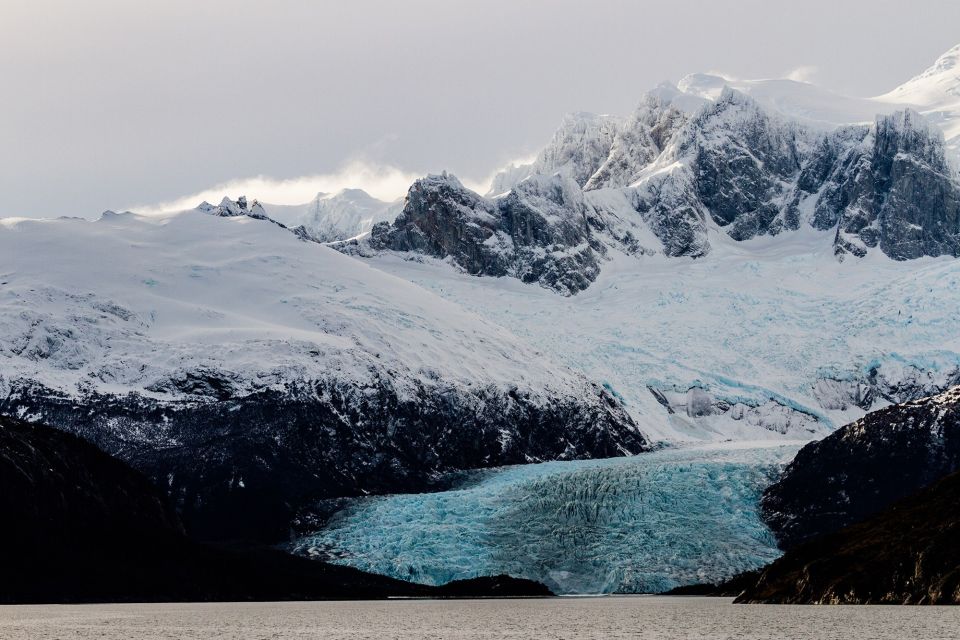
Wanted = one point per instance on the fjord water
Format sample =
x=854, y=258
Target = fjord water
x=640, y=524
x=637, y=617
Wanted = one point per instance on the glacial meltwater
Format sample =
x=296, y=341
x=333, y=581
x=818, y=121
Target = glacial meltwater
x=641, y=524
x=610, y=618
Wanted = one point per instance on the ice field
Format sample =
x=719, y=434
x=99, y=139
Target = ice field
x=774, y=323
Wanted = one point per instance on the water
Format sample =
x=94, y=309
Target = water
x=638, y=617
x=641, y=524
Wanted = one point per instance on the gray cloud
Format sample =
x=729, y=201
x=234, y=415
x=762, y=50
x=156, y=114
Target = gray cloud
x=107, y=104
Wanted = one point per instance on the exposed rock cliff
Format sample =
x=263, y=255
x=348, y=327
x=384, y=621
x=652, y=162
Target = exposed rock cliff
x=906, y=554
x=864, y=467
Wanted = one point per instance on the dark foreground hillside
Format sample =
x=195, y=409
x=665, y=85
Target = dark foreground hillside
x=80, y=526
x=907, y=554
x=864, y=467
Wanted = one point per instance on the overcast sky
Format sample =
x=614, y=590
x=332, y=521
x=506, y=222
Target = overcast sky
x=114, y=104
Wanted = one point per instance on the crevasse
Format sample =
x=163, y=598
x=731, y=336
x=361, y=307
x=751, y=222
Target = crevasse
x=625, y=525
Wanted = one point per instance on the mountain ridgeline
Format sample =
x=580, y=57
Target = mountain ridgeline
x=667, y=179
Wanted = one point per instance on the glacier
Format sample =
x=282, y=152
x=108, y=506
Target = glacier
x=777, y=336
x=637, y=524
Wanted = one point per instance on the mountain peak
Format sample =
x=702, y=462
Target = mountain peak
x=947, y=62
x=938, y=85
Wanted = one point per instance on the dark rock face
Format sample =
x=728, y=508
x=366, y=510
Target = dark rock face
x=742, y=156
x=675, y=215
x=54, y=481
x=81, y=526
x=242, y=467
x=864, y=467
x=539, y=232
x=729, y=589
x=907, y=554
x=889, y=186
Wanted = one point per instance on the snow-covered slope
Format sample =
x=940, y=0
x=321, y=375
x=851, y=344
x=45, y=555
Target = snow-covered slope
x=813, y=105
x=248, y=369
x=335, y=216
x=759, y=339
x=936, y=94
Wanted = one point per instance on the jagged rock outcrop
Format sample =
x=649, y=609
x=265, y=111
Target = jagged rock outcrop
x=239, y=208
x=232, y=208
x=892, y=189
x=906, y=554
x=580, y=145
x=864, y=467
x=740, y=157
x=640, y=140
x=538, y=232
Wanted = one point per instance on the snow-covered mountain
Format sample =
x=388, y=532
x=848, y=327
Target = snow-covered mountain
x=330, y=217
x=540, y=231
x=250, y=372
x=725, y=254
x=936, y=94
x=578, y=148
x=672, y=182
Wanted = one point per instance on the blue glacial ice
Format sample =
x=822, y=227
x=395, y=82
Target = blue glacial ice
x=622, y=525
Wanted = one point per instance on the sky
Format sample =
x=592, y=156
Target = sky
x=110, y=104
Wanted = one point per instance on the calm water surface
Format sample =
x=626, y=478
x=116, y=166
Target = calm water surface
x=574, y=618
